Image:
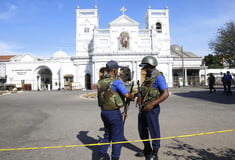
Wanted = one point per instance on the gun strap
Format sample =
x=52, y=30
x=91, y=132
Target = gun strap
x=154, y=75
x=145, y=96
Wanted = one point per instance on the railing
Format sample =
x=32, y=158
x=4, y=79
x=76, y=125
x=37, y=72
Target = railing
x=191, y=81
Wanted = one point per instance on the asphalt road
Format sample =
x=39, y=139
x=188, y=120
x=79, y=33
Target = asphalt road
x=62, y=118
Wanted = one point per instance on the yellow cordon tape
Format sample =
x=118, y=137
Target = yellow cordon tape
x=122, y=142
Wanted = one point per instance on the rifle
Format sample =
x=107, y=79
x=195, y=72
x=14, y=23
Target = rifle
x=140, y=101
x=127, y=103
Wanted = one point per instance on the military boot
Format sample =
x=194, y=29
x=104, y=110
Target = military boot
x=147, y=150
x=147, y=157
x=154, y=155
x=115, y=158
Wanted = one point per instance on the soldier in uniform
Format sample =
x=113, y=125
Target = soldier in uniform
x=154, y=90
x=111, y=95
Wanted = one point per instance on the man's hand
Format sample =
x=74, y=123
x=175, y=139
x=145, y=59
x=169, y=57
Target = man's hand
x=130, y=96
x=148, y=107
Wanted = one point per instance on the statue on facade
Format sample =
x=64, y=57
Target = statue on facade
x=124, y=40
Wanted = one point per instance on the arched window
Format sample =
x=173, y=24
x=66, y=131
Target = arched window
x=159, y=27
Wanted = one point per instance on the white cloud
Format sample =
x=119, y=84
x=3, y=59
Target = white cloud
x=4, y=47
x=9, y=48
x=9, y=12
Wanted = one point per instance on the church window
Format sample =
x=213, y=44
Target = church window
x=124, y=40
x=159, y=27
x=86, y=30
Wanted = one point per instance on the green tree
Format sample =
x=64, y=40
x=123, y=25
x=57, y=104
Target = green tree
x=224, y=44
x=213, y=61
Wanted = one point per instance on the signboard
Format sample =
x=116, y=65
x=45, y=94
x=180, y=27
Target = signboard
x=21, y=71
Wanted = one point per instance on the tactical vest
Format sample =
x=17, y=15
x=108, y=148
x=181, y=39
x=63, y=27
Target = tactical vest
x=107, y=98
x=153, y=93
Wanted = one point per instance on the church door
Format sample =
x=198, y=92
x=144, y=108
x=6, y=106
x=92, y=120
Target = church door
x=88, y=81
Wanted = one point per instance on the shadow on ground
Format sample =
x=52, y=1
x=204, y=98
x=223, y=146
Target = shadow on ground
x=86, y=139
x=218, y=97
x=192, y=153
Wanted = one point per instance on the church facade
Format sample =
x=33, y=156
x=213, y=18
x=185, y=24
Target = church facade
x=123, y=41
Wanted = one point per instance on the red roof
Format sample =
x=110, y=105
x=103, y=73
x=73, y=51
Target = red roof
x=6, y=58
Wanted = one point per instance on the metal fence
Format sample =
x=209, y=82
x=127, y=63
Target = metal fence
x=194, y=81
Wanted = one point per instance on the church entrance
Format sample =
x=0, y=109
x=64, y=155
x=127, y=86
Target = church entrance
x=44, y=78
x=88, y=81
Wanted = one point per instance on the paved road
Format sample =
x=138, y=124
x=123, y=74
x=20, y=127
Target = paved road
x=40, y=119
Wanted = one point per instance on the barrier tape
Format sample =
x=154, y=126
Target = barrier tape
x=122, y=142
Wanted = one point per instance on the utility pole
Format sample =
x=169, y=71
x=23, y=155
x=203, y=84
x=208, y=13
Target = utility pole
x=183, y=65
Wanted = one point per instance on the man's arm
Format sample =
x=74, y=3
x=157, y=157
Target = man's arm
x=123, y=90
x=164, y=94
x=130, y=96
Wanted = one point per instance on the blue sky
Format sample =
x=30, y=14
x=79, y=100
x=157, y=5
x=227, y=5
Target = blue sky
x=42, y=27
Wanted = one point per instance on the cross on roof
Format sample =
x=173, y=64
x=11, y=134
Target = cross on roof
x=123, y=9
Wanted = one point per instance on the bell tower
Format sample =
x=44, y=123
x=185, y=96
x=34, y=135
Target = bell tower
x=86, y=22
x=157, y=21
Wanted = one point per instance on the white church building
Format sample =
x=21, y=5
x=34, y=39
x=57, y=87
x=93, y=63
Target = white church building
x=123, y=41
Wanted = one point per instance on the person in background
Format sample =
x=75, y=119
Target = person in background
x=211, y=81
x=229, y=81
x=224, y=83
x=102, y=73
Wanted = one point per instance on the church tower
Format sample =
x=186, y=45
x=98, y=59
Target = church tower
x=157, y=21
x=86, y=22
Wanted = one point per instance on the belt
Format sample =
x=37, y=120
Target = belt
x=110, y=109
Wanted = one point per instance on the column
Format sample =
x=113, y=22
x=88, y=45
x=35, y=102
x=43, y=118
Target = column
x=185, y=77
x=93, y=73
x=136, y=71
x=170, y=79
x=205, y=76
x=133, y=72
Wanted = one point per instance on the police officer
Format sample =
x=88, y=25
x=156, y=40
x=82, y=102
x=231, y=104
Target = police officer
x=229, y=81
x=154, y=90
x=111, y=95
